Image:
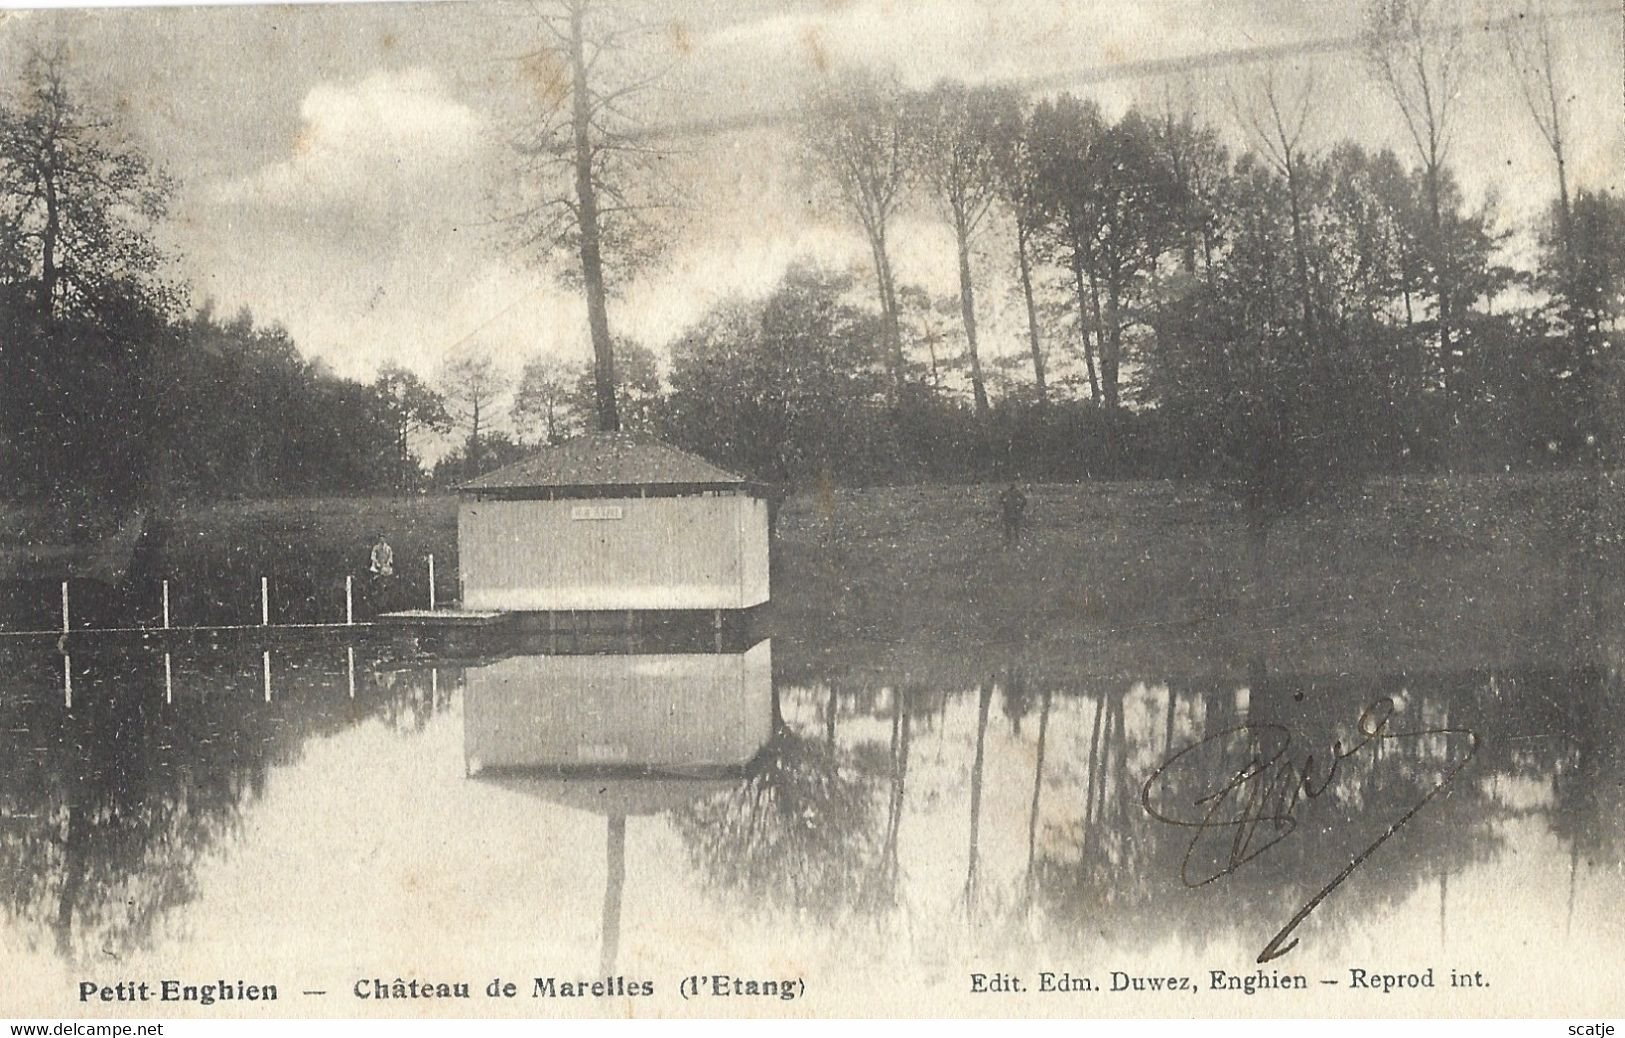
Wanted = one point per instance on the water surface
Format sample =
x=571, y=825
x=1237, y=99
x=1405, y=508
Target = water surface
x=334, y=814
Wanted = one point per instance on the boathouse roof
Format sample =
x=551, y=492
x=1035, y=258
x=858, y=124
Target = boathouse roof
x=600, y=461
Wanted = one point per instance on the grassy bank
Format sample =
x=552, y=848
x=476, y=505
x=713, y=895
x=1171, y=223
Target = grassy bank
x=1159, y=577
x=1137, y=577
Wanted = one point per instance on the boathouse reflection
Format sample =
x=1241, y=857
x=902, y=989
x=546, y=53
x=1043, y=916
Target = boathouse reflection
x=620, y=736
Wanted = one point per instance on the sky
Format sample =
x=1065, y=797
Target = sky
x=345, y=169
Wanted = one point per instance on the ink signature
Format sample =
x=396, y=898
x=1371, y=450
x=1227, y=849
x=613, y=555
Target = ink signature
x=1256, y=807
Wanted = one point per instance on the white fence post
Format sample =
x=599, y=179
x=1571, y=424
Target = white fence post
x=64, y=607
x=431, y=583
x=265, y=602
x=349, y=600
x=166, y=605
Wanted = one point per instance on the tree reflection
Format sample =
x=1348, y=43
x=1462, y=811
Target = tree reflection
x=614, y=883
x=110, y=805
x=984, y=699
x=803, y=829
x=1588, y=810
x=413, y=696
x=1113, y=870
x=795, y=830
x=1038, y=786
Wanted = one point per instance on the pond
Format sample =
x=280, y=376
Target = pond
x=330, y=817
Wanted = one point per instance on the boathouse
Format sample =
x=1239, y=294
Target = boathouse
x=612, y=521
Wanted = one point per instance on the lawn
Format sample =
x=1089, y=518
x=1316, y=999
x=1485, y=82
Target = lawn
x=1160, y=577
x=1131, y=577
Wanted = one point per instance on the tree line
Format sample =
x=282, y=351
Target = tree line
x=1283, y=314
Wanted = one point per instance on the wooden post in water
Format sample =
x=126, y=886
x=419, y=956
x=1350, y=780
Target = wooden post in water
x=351, y=652
x=265, y=602
x=166, y=607
x=431, y=583
x=64, y=607
x=267, y=658
x=349, y=600
x=67, y=680
x=169, y=692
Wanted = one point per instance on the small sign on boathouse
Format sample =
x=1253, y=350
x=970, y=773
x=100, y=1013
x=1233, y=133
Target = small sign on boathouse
x=612, y=521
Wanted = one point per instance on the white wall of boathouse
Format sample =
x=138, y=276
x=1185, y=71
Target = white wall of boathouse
x=698, y=551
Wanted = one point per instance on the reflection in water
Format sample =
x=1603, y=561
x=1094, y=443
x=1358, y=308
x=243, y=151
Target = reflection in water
x=868, y=814
x=618, y=735
x=672, y=712
x=109, y=805
x=796, y=832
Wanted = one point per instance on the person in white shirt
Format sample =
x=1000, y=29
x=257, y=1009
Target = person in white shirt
x=381, y=570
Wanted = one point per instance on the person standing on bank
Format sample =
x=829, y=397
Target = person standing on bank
x=1012, y=510
x=381, y=572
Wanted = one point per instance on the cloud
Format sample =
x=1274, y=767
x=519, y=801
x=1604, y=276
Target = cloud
x=367, y=224
x=371, y=239
x=369, y=146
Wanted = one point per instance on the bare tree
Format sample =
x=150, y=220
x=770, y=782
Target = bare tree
x=1535, y=66
x=470, y=385
x=1417, y=49
x=591, y=181
x=857, y=139
x=961, y=133
x=1022, y=191
x=1277, y=115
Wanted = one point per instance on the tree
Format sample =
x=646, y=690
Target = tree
x=1199, y=165
x=475, y=458
x=1534, y=62
x=86, y=340
x=962, y=133
x=1277, y=117
x=1599, y=247
x=1022, y=193
x=251, y=415
x=790, y=388
x=639, y=393
x=542, y=404
x=928, y=321
x=77, y=204
x=1062, y=137
x=409, y=406
x=1254, y=400
x=471, y=385
x=1115, y=211
x=1597, y=305
x=857, y=139
x=1417, y=50
x=589, y=168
